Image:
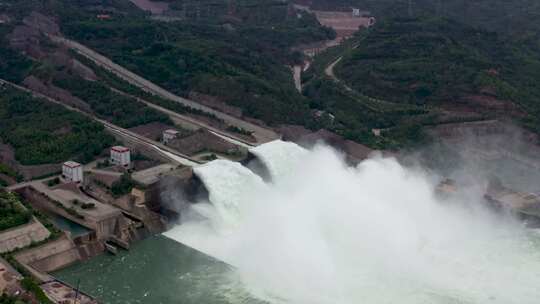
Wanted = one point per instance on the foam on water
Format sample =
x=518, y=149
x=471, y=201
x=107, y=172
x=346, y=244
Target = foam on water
x=278, y=156
x=323, y=232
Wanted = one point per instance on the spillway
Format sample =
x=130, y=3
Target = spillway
x=278, y=156
x=227, y=182
x=322, y=232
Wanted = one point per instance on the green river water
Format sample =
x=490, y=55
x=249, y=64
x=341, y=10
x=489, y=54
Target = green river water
x=156, y=270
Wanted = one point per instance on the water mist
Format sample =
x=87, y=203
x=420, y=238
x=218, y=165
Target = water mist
x=324, y=232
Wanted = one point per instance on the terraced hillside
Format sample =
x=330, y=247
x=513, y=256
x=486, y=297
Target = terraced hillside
x=438, y=62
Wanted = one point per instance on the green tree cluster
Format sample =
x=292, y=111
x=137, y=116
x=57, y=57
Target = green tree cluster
x=243, y=62
x=12, y=213
x=433, y=61
x=42, y=132
x=112, y=106
x=122, y=186
x=5, y=299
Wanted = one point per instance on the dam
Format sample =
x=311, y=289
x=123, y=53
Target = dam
x=318, y=230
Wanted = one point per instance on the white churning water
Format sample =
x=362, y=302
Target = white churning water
x=324, y=232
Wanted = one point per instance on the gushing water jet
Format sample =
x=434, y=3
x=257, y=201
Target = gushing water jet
x=324, y=232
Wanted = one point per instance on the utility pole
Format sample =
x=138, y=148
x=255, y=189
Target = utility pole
x=410, y=8
x=77, y=291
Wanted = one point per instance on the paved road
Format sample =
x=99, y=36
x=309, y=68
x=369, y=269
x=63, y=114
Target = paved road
x=297, y=76
x=329, y=71
x=191, y=121
x=262, y=135
x=166, y=151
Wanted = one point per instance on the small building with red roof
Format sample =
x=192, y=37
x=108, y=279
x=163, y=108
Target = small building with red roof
x=120, y=156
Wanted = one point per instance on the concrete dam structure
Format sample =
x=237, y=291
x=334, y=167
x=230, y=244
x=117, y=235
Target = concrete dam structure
x=198, y=184
x=320, y=231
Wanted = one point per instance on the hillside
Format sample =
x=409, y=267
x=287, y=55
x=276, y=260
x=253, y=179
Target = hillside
x=241, y=62
x=437, y=62
x=41, y=132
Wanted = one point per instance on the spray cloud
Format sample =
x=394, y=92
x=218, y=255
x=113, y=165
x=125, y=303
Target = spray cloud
x=324, y=232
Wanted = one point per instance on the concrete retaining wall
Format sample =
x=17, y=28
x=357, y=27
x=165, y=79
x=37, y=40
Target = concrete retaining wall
x=51, y=256
x=104, y=227
x=23, y=236
x=138, y=147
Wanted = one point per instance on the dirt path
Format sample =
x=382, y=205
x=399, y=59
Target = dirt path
x=329, y=71
x=297, y=75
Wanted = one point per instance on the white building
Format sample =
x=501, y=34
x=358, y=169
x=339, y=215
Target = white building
x=120, y=156
x=169, y=135
x=356, y=12
x=72, y=171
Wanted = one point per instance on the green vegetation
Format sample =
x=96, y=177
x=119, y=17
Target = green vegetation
x=404, y=71
x=12, y=212
x=5, y=299
x=210, y=157
x=84, y=205
x=13, y=66
x=53, y=182
x=30, y=285
x=417, y=61
x=4, y=169
x=123, y=186
x=506, y=16
x=323, y=59
x=71, y=210
x=88, y=206
x=239, y=130
x=433, y=61
x=447, y=52
x=42, y=132
x=103, y=164
x=55, y=232
x=28, y=282
x=114, y=107
x=121, y=85
x=355, y=115
x=242, y=62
